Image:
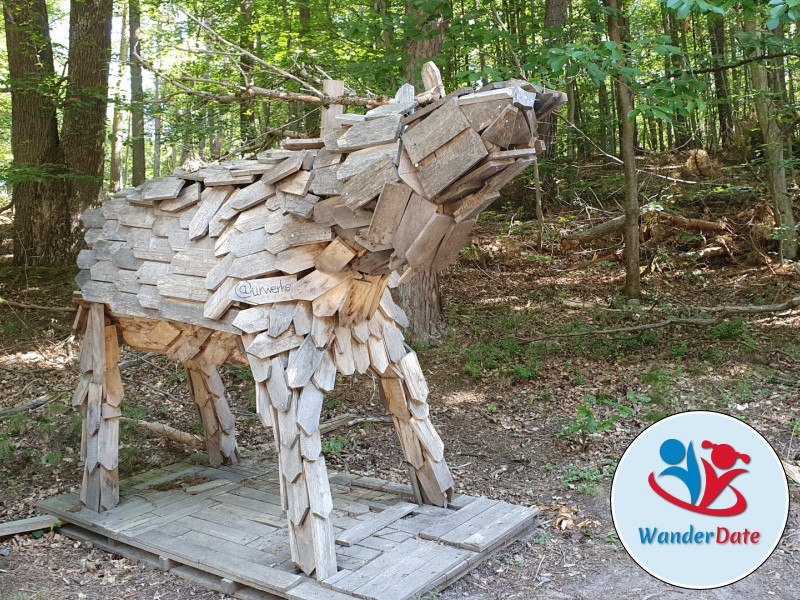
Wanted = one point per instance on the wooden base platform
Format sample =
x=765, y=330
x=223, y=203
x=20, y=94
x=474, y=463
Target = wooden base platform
x=224, y=527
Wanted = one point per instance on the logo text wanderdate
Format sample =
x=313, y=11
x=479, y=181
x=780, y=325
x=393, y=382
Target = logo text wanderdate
x=721, y=536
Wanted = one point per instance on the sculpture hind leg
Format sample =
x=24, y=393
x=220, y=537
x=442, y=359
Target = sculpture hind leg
x=97, y=399
x=289, y=397
x=219, y=425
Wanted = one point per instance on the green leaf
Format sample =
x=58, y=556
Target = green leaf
x=683, y=12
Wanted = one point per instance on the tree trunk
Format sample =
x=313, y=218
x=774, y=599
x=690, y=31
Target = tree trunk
x=419, y=51
x=137, y=97
x=716, y=30
x=83, y=130
x=157, y=131
x=55, y=178
x=115, y=168
x=627, y=136
x=247, y=120
x=420, y=298
x=555, y=19
x=34, y=131
x=422, y=302
x=773, y=149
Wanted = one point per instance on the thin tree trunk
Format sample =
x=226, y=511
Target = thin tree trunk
x=115, y=168
x=627, y=136
x=137, y=97
x=157, y=131
x=773, y=149
x=716, y=30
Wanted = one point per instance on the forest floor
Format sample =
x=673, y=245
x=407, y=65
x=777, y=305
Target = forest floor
x=507, y=377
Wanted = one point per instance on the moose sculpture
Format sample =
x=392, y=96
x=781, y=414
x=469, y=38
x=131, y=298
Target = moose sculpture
x=284, y=264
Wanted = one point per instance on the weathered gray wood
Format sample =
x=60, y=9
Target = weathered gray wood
x=44, y=522
x=437, y=129
x=370, y=133
x=296, y=184
x=247, y=243
x=347, y=218
x=450, y=162
x=298, y=233
x=163, y=188
x=365, y=186
x=502, y=129
x=251, y=195
x=366, y=528
x=252, y=320
x=211, y=201
x=398, y=108
x=265, y=346
x=417, y=213
x=473, y=180
x=459, y=517
x=450, y=248
x=326, y=182
x=388, y=213
x=288, y=166
x=423, y=250
x=220, y=177
x=358, y=161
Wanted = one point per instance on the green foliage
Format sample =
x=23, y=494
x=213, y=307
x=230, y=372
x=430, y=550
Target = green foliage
x=335, y=445
x=733, y=330
x=587, y=423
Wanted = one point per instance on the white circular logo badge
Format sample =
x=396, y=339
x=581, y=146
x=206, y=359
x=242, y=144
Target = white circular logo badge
x=699, y=500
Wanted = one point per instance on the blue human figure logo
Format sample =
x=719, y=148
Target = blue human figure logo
x=672, y=452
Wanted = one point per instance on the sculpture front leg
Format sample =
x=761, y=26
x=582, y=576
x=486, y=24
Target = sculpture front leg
x=289, y=398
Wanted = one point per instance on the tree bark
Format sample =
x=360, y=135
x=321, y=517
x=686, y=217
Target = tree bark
x=627, y=137
x=420, y=298
x=34, y=128
x=716, y=30
x=773, y=149
x=419, y=51
x=555, y=19
x=55, y=177
x=83, y=130
x=137, y=97
x=115, y=168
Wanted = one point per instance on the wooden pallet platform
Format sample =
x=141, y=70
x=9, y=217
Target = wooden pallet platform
x=225, y=528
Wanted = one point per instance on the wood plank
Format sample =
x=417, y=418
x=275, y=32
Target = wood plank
x=414, y=378
x=497, y=529
x=296, y=184
x=299, y=233
x=451, y=161
x=388, y=213
x=290, y=165
x=303, y=361
x=371, y=133
x=434, y=131
x=502, y=129
x=211, y=201
x=347, y=218
x=264, y=346
x=299, y=258
x=450, y=248
x=358, y=578
x=43, y=522
x=423, y=250
x=162, y=188
x=208, y=558
x=417, y=213
x=361, y=160
x=252, y=195
x=458, y=518
x=365, y=186
x=366, y=528
x=335, y=257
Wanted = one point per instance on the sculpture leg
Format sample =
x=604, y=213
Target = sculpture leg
x=97, y=399
x=219, y=425
x=289, y=396
x=405, y=393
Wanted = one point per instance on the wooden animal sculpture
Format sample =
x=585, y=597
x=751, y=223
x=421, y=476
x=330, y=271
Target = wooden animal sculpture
x=283, y=264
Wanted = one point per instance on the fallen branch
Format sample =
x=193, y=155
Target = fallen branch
x=722, y=313
x=4, y=302
x=127, y=364
x=169, y=432
x=35, y=403
x=617, y=224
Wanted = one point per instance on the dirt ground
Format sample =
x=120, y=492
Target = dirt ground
x=535, y=407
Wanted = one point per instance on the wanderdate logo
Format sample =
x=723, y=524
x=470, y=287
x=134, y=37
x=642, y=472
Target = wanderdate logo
x=699, y=500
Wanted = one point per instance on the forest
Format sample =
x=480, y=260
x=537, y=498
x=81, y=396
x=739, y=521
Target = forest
x=645, y=264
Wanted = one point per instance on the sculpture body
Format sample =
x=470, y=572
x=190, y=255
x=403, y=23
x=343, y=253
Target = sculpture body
x=285, y=263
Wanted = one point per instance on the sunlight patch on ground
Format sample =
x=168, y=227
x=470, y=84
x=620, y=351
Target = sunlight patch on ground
x=462, y=397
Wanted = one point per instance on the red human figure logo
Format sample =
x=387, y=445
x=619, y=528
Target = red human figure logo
x=724, y=457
